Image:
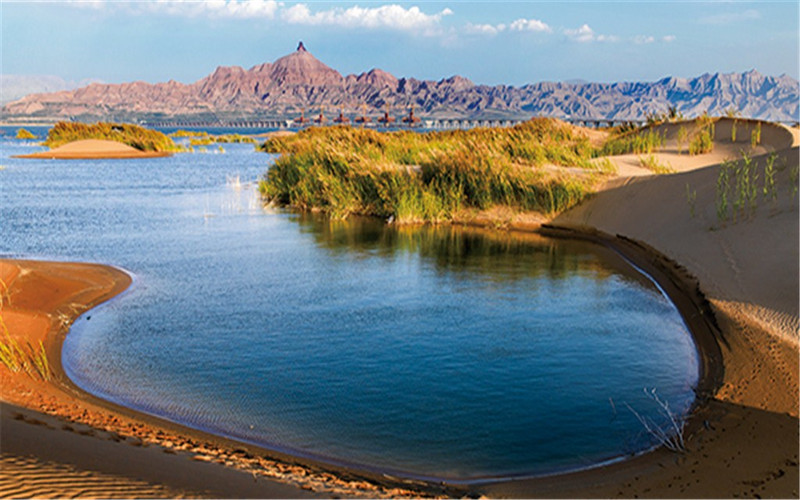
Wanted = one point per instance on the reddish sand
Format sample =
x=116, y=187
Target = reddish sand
x=94, y=149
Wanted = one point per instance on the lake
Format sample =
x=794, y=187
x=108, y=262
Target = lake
x=432, y=352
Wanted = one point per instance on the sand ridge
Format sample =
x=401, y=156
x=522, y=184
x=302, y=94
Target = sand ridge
x=94, y=149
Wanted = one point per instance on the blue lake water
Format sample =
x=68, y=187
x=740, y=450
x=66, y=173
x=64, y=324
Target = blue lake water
x=440, y=352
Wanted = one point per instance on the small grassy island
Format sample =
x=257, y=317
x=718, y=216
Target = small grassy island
x=140, y=138
x=543, y=165
x=25, y=134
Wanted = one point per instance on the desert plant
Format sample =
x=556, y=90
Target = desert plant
x=681, y=138
x=637, y=142
x=702, y=142
x=669, y=435
x=691, y=199
x=25, y=134
x=651, y=163
x=755, y=136
x=733, y=131
x=793, y=174
x=723, y=180
x=770, y=191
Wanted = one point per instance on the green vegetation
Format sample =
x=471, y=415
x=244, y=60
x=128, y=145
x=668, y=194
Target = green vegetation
x=733, y=131
x=703, y=139
x=683, y=134
x=635, y=141
x=201, y=138
x=18, y=357
x=691, y=199
x=738, y=182
x=25, y=134
x=138, y=137
x=651, y=163
x=755, y=136
x=770, y=191
x=431, y=176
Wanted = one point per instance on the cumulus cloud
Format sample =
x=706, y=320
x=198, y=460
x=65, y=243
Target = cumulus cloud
x=731, y=17
x=386, y=16
x=530, y=25
x=643, y=39
x=586, y=34
x=668, y=38
x=235, y=9
x=484, y=29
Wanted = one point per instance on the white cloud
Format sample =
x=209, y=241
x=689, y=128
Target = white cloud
x=385, y=16
x=586, y=34
x=731, y=17
x=235, y=9
x=643, y=39
x=484, y=29
x=530, y=25
x=668, y=38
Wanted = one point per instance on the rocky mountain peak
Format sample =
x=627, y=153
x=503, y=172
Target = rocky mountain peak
x=302, y=68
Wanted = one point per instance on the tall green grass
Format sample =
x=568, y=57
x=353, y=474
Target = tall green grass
x=135, y=136
x=637, y=141
x=431, y=176
x=18, y=356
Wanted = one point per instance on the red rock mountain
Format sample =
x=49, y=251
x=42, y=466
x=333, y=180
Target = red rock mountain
x=299, y=81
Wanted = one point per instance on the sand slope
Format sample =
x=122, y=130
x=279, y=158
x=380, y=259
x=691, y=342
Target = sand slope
x=94, y=149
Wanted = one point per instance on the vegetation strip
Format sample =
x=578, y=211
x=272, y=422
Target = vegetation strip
x=430, y=177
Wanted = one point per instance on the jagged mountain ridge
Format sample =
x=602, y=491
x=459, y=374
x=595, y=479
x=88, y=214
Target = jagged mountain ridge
x=299, y=81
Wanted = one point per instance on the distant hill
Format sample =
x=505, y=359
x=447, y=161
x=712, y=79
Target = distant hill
x=13, y=87
x=299, y=81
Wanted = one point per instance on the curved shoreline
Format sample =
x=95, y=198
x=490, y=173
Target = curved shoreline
x=682, y=290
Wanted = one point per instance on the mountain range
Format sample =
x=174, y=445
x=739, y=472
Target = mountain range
x=299, y=82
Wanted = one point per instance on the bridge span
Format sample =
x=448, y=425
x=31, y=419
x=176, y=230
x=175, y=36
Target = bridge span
x=425, y=123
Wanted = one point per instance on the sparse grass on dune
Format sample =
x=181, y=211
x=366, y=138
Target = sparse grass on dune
x=429, y=177
x=18, y=356
x=638, y=141
x=135, y=136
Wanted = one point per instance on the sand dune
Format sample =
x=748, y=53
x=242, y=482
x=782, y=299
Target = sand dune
x=94, y=149
x=674, y=156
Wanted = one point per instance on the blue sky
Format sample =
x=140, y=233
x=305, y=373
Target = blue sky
x=498, y=42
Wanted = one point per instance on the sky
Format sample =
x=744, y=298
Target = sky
x=491, y=43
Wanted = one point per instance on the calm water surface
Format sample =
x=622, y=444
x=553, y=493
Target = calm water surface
x=435, y=352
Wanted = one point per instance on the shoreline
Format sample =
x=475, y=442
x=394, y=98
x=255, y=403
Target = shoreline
x=704, y=331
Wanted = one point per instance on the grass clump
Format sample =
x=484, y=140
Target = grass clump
x=651, y=163
x=702, y=141
x=428, y=177
x=25, y=134
x=18, y=356
x=635, y=141
x=135, y=136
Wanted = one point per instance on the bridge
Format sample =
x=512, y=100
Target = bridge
x=426, y=123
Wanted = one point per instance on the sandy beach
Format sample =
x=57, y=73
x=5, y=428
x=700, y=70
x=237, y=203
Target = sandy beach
x=742, y=440
x=94, y=149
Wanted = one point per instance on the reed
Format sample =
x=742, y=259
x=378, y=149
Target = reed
x=427, y=177
x=755, y=136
